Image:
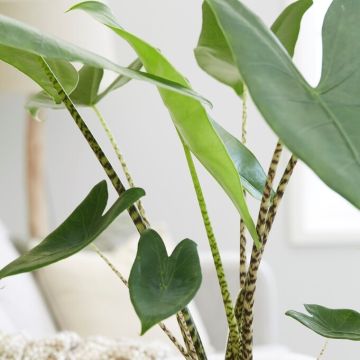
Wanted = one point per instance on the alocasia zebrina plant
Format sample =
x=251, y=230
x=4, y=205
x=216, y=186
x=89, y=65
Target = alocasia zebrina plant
x=318, y=125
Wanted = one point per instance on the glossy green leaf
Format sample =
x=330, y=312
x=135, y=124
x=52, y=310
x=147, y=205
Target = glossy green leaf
x=215, y=57
x=82, y=227
x=252, y=175
x=319, y=125
x=330, y=323
x=29, y=44
x=189, y=116
x=287, y=25
x=161, y=285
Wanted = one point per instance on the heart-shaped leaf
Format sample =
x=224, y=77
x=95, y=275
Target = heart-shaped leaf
x=330, y=323
x=189, y=116
x=215, y=57
x=23, y=46
x=160, y=285
x=319, y=125
x=82, y=227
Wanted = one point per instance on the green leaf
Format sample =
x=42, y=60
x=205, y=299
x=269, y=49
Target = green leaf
x=30, y=65
x=82, y=227
x=319, y=125
x=215, y=57
x=189, y=116
x=22, y=45
x=330, y=323
x=84, y=93
x=287, y=25
x=120, y=81
x=88, y=86
x=252, y=175
x=160, y=285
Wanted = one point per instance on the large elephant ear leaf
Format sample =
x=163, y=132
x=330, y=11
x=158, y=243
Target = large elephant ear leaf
x=330, y=323
x=319, y=125
x=214, y=55
x=161, y=285
x=82, y=227
x=189, y=116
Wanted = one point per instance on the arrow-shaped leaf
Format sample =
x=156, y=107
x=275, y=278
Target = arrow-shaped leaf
x=330, y=323
x=161, y=285
x=319, y=125
x=189, y=116
x=215, y=57
x=82, y=227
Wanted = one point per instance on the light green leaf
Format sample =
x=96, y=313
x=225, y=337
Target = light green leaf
x=330, y=323
x=252, y=175
x=30, y=65
x=161, y=285
x=21, y=45
x=82, y=227
x=319, y=125
x=215, y=57
x=189, y=116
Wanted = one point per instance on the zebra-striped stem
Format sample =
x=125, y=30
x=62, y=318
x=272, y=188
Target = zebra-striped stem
x=229, y=310
x=186, y=335
x=121, y=159
x=105, y=163
x=247, y=318
x=265, y=202
x=201, y=355
x=242, y=224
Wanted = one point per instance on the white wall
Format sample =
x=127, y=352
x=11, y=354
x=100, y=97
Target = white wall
x=150, y=144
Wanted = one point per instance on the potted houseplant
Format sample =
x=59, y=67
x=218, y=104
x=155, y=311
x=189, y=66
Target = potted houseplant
x=237, y=49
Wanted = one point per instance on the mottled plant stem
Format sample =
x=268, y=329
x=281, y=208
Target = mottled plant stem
x=168, y=333
x=229, y=310
x=186, y=335
x=322, y=352
x=121, y=159
x=106, y=165
x=242, y=223
x=256, y=257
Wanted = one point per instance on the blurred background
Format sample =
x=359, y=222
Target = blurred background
x=314, y=249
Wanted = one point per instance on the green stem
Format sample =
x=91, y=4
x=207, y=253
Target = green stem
x=106, y=165
x=229, y=310
x=121, y=160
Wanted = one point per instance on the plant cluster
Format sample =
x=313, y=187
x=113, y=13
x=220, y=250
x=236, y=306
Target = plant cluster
x=319, y=125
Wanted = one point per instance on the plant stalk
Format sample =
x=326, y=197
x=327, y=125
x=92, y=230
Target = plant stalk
x=229, y=310
x=106, y=165
x=264, y=226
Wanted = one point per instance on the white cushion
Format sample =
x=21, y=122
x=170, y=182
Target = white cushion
x=22, y=307
x=87, y=297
